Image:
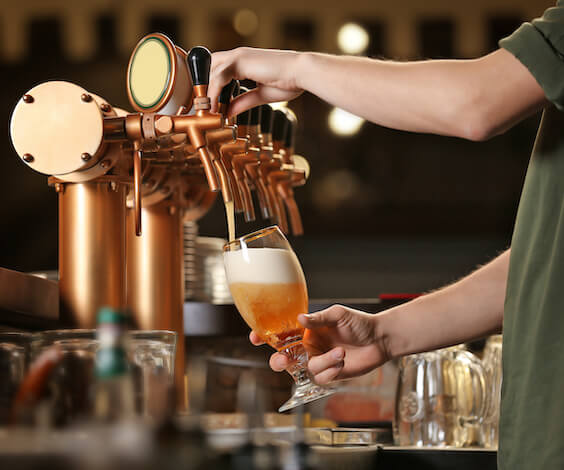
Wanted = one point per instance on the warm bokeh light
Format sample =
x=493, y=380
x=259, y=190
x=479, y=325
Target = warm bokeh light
x=352, y=38
x=343, y=123
x=337, y=189
x=245, y=22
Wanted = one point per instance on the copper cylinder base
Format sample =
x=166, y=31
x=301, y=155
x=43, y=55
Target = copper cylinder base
x=155, y=278
x=91, y=251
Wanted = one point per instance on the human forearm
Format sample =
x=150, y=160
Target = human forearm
x=472, y=99
x=469, y=309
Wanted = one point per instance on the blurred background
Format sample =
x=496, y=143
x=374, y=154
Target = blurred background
x=384, y=211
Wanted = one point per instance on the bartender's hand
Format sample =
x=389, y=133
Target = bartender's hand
x=341, y=343
x=274, y=71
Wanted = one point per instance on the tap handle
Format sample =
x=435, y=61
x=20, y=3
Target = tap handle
x=199, y=61
x=266, y=119
x=291, y=129
x=227, y=92
x=279, y=125
x=254, y=120
x=242, y=118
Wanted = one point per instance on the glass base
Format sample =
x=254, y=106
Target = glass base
x=306, y=394
x=305, y=390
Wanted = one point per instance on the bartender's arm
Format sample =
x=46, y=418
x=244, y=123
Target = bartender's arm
x=473, y=99
x=344, y=343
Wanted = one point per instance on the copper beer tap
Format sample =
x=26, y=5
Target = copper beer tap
x=195, y=126
x=279, y=127
x=285, y=190
x=228, y=149
x=269, y=161
x=239, y=161
x=290, y=136
x=111, y=168
x=251, y=168
x=281, y=182
x=216, y=139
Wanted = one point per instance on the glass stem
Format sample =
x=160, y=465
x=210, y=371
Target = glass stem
x=298, y=368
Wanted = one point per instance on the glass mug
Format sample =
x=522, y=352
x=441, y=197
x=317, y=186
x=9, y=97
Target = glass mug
x=441, y=399
x=269, y=289
x=492, y=365
x=14, y=352
x=150, y=353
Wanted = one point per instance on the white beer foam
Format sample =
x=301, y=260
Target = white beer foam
x=262, y=266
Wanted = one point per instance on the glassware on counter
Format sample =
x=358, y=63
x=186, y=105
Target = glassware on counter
x=150, y=354
x=492, y=365
x=14, y=356
x=441, y=399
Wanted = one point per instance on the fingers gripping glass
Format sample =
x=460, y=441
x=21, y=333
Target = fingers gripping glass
x=269, y=289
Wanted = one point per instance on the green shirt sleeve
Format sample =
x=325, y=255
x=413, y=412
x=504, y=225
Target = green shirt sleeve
x=539, y=45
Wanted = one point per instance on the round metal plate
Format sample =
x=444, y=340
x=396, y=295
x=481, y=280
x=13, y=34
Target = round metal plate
x=56, y=128
x=150, y=72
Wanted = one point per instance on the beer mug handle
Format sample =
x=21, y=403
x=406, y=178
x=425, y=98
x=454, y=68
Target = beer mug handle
x=479, y=391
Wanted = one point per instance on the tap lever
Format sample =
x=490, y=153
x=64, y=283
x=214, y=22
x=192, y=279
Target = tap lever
x=227, y=92
x=244, y=117
x=254, y=119
x=225, y=98
x=266, y=117
x=279, y=126
x=291, y=128
x=290, y=136
x=236, y=88
x=199, y=61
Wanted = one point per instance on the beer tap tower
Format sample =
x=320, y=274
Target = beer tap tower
x=127, y=181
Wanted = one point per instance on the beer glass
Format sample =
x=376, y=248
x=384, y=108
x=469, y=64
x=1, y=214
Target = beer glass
x=269, y=289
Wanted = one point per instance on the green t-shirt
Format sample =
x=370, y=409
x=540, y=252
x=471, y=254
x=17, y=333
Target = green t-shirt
x=532, y=410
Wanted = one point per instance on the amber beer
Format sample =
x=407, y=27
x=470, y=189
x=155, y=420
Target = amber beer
x=271, y=310
x=269, y=290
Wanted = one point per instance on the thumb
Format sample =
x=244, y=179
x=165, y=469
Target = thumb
x=328, y=317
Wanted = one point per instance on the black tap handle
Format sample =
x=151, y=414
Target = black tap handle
x=255, y=116
x=242, y=118
x=227, y=92
x=199, y=62
x=266, y=119
x=291, y=129
x=279, y=125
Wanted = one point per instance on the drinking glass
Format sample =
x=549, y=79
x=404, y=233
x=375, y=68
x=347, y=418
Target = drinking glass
x=149, y=352
x=441, y=399
x=492, y=366
x=14, y=352
x=269, y=289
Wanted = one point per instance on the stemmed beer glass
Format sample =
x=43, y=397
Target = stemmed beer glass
x=269, y=289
